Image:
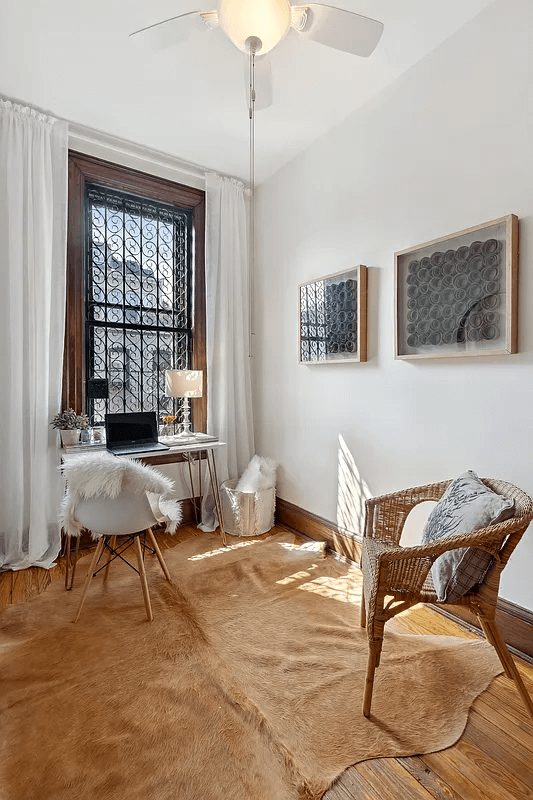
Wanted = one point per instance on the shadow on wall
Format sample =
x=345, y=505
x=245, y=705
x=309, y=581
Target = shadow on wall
x=352, y=491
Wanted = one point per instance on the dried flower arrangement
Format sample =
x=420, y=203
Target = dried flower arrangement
x=68, y=421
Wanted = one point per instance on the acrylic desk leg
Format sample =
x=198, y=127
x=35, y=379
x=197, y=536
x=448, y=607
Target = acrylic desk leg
x=191, y=482
x=216, y=493
x=219, y=501
x=199, y=457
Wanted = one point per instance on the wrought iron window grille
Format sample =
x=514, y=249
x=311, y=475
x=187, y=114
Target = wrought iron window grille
x=138, y=299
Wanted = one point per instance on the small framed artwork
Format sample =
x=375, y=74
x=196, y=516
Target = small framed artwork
x=458, y=295
x=333, y=318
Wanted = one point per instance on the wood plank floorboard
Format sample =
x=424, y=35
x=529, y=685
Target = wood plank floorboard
x=516, y=725
x=437, y=788
x=392, y=779
x=515, y=755
x=493, y=760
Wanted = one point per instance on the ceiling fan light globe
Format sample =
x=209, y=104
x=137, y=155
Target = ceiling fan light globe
x=268, y=20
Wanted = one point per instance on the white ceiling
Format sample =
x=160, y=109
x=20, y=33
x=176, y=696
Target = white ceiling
x=73, y=59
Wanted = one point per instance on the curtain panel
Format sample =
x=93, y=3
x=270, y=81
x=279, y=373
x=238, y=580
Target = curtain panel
x=33, y=230
x=229, y=400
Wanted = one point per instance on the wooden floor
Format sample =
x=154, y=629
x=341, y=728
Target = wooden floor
x=493, y=760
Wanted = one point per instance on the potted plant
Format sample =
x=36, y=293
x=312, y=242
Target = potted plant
x=69, y=425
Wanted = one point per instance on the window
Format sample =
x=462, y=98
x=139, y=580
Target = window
x=137, y=300
x=135, y=289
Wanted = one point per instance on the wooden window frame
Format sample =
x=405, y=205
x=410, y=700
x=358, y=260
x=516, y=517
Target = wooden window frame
x=83, y=168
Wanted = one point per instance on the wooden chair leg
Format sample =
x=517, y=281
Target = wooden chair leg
x=362, y=618
x=153, y=542
x=485, y=626
x=508, y=664
x=112, y=544
x=374, y=651
x=144, y=582
x=97, y=553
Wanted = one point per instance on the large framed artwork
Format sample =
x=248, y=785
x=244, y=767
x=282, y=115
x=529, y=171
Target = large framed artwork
x=458, y=295
x=333, y=318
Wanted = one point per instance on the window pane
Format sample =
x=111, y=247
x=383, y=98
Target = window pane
x=138, y=299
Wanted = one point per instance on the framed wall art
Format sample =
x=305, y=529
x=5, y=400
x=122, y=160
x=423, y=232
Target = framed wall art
x=458, y=295
x=333, y=318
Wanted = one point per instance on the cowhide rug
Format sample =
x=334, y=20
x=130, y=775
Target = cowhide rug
x=247, y=686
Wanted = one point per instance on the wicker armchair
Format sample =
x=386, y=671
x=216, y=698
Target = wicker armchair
x=396, y=578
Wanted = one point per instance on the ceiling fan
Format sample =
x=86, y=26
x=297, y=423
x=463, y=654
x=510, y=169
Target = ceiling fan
x=257, y=26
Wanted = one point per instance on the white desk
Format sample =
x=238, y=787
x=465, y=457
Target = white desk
x=189, y=452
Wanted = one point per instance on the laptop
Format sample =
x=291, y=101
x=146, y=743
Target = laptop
x=134, y=432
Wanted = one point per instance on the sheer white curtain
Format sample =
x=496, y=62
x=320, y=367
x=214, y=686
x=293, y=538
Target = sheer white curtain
x=33, y=224
x=229, y=396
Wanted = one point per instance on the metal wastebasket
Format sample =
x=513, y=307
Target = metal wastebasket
x=247, y=513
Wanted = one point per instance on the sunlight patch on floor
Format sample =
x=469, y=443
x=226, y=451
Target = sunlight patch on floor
x=342, y=588
x=297, y=576
x=222, y=550
x=307, y=547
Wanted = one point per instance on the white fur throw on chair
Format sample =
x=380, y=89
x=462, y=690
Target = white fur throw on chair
x=103, y=474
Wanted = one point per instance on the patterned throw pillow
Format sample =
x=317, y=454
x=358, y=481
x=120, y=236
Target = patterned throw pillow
x=467, y=505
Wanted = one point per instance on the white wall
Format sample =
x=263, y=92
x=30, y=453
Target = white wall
x=448, y=146
x=128, y=154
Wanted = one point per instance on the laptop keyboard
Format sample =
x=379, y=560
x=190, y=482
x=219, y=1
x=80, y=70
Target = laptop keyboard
x=137, y=448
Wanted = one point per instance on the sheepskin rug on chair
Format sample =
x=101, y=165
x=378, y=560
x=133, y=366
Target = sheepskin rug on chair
x=102, y=474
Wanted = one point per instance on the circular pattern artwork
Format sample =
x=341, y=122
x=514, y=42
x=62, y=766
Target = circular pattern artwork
x=453, y=295
x=341, y=317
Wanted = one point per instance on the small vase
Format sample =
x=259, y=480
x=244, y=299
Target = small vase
x=70, y=437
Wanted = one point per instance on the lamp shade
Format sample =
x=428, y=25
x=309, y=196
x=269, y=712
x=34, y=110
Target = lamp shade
x=183, y=382
x=268, y=20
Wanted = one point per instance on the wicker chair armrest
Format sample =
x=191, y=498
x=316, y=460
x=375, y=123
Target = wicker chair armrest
x=371, y=567
x=489, y=538
x=382, y=574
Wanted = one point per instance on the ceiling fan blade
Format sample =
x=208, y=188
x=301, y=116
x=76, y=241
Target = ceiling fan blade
x=174, y=30
x=337, y=28
x=262, y=81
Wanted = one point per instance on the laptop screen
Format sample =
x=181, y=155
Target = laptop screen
x=139, y=427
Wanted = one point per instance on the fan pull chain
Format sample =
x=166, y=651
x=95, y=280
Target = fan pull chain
x=254, y=44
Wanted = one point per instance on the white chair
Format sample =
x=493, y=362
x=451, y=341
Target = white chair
x=118, y=500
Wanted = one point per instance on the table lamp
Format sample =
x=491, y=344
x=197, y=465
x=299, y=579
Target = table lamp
x=184, y=383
